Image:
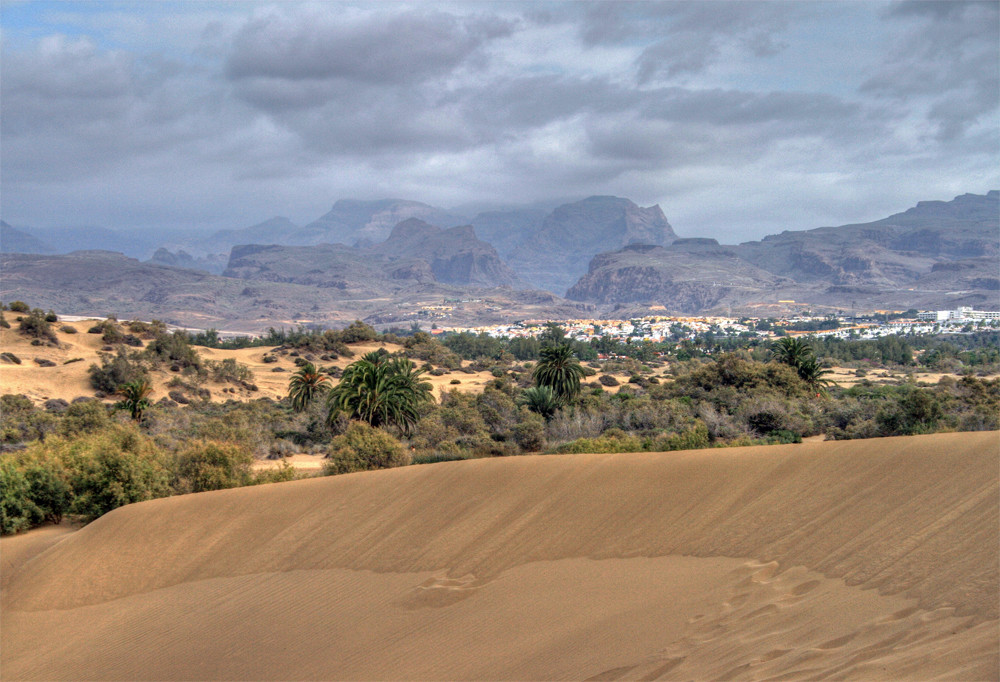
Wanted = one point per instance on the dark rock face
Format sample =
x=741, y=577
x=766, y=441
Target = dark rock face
x=681, y=280
x=414, y=251
x=936, y=254
x=455, y=256
x=556, y=255
x=890, y=252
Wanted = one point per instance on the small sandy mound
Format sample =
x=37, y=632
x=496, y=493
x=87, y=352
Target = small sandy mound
x=869, y=559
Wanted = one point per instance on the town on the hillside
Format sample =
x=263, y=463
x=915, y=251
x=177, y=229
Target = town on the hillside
x=658, y=329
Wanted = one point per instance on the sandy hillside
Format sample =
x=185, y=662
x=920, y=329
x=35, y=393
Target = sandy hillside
x=860, y=560
x=68, y=381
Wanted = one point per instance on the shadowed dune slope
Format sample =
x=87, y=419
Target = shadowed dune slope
x=872, y=559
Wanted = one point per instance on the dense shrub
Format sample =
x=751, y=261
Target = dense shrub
x=174, y=349
x=363, y=447
x=19, y=307
x=116, y=370
x=36, y=326
x=529, y=433
x=229, y=370
x=103, y=470
x=213, y=465
x=17, y=510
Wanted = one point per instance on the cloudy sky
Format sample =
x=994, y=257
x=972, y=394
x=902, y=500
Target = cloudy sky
x=738, y=119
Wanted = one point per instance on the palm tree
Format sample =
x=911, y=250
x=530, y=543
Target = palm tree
x=381, y=391
x=559, y=370
x=135, y=397
x=541, y=400
x=791, y=351
x=305, y=384
x=810, y=372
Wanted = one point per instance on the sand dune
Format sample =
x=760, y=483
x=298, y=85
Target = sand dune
x=861, y=560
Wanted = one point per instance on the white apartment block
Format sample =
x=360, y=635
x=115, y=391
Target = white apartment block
x=963, y=314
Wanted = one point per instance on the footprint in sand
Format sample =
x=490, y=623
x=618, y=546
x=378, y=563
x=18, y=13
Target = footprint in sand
x=440, y=592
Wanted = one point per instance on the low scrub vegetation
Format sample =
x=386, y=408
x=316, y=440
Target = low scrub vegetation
x=85, y=458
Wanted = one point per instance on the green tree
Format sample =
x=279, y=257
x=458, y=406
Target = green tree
x=540, y=400
x=362, y=448
x=305, y=385
x=559, y=370
x=380, y=390
x=791, y=351
x=810, y=372
x=135, y=397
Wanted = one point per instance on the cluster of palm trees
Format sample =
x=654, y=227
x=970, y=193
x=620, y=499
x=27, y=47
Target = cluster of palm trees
x=389, y=391
x=557, y=380
x=800, y=356
x=378, y=389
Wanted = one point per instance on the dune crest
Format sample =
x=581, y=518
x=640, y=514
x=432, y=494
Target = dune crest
x=873, y=558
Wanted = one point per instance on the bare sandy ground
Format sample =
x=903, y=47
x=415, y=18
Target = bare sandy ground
x=864, y=560
x=68, y=381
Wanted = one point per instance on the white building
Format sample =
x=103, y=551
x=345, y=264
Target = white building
x=963, y=314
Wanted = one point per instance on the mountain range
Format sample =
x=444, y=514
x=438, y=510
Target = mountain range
x=366, y=257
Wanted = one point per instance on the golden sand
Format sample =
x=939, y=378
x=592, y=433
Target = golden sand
x=867, y=560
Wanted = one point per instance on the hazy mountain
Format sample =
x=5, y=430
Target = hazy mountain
x=101, y=283
x=937, y=254
x=414, y=251
x=134, y=243
x=277, y=230
x=369, y=222
x=455, y=255
x=555, y=256
x=506, y=229
x=687, y=276
x=885, y=253
x=13, y=240
x=214, y=264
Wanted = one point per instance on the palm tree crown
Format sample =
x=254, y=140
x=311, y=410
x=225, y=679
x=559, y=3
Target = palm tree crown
x=541, y=400
x=305, y=384
x=791, y=351
x=381, y=391
x=799, y=355
x=135, y=397
x=559, y=369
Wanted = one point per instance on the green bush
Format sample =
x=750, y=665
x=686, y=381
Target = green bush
x=19, y=307
x=612, y=440
x=693, y=438
x=17, y=511
x=363, y=447
x=229, y=370
x=529, y=434
x=214, y=465
x=36, y=326
x=356, y=332
x=174, y=349
x=93, y=473
x=122, y=368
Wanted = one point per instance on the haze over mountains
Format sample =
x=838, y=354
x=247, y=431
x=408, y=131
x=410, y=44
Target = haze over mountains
x=368, y=257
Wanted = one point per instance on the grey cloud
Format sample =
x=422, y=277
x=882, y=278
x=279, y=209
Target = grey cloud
x=249, y=115
x=687, y=37
x=393, y=48
x=946, y=58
